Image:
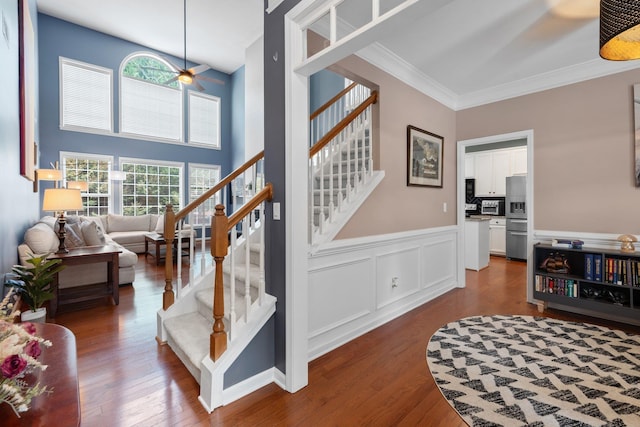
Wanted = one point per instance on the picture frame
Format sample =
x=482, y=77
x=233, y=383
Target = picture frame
x=425, y=153
x=636, y=114
x=27, y=81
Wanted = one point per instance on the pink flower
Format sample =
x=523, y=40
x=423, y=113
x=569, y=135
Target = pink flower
x=12, y=366
x=29, y=327
x=33, y=349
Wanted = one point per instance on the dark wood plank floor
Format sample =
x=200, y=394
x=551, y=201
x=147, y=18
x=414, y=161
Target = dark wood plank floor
x=379, y=379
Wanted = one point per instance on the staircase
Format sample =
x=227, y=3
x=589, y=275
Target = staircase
x=340, y=162
x=209, y=321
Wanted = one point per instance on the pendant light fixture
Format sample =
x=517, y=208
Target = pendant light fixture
x=620, y=29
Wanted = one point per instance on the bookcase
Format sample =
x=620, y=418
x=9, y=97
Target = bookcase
x=606, y=281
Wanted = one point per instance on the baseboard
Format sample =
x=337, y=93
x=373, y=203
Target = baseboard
x=248, y=386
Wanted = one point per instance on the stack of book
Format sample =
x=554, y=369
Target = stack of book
x=620, y=271
x=552, y=285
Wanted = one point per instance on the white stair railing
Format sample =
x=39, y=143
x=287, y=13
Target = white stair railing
x=340, y=163
x=237, y=190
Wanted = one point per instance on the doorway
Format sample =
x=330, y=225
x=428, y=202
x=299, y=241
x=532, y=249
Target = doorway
x=478, y=145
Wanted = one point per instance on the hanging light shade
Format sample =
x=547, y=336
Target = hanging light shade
x=620, y=29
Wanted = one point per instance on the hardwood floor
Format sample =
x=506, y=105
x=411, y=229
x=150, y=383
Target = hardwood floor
x=379, y=379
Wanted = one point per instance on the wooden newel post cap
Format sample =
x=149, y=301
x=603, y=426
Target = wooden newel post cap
x=219, y=210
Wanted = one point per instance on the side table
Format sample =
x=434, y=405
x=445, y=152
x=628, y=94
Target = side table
x=88, y=255
x=62, y=406
x=158, y=241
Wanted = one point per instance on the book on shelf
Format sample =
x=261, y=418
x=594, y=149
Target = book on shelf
x=561, y=243
x=588, y=266
x=597, y=267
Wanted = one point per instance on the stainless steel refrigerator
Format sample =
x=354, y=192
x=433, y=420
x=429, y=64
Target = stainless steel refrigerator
x=516, y=215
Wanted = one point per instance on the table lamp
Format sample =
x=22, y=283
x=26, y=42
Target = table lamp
x=61, y=200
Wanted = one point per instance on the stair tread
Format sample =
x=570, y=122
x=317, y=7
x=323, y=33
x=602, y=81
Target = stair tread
x=190, y=332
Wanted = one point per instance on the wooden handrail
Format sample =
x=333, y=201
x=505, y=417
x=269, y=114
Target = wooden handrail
x=343, y=124
x=327, y=104
x=265, y=194
x=220, y=185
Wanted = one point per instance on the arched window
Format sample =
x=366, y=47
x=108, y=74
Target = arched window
x=150, y=103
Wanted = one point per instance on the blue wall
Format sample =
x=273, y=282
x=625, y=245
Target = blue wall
x=237, y=117
x=323, y=86
x=20, y=205
x=60, y=38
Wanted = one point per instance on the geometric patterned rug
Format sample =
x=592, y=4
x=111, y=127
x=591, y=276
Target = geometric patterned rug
x=537, y=371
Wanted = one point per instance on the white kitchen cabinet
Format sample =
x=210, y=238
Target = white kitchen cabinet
x=498, y=236
x=518, y=157
x=491, y=170
x=469, y=165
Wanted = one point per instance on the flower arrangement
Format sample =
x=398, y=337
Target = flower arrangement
x=19, y=352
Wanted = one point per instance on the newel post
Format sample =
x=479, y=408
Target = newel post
x=168, y=296
x=219, y=245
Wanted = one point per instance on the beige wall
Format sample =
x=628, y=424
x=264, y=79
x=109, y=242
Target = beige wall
x=583, y=152
x=393, y=206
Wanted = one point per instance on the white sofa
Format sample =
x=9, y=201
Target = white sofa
x=42, y=238
x=129, y=231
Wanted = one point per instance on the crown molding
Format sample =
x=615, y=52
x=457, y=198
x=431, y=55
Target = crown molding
x=538, y=83
x=392, y=64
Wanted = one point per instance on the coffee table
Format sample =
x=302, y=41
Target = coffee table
x=158, y=241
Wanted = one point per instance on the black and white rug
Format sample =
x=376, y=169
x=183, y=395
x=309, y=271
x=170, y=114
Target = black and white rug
x=537, y=371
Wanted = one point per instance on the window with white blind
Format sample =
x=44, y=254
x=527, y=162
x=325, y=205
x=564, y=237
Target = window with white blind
x=201, y=179
x=150, y=185
x=85, y=97
x=94, y=170
x=150, y=100
x=204, y=119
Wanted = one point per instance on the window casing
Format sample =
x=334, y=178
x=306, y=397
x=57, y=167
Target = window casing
x=94, y=170
x=86, y=102
x=150, y=185
x=204, y=119
x=202, y=178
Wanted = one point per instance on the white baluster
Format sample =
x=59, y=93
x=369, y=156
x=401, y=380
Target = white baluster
x=232, y=284
x=247, y=265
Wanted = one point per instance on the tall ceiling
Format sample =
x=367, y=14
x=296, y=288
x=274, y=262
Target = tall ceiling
x=462, y=52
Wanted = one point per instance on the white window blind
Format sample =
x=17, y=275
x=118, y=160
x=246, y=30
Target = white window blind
x=204, y=119
x=85, y=96
x=151, y=110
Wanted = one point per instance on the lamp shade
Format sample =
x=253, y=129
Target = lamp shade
x=62, y=199
x=78, y=185
x=620, y=29
x=49, y=174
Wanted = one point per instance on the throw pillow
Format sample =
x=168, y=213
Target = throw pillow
x=41, y=239
x=73, y=236
x=160, y=225
x=91, y=233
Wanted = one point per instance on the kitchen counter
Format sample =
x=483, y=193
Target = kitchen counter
x=476, y=242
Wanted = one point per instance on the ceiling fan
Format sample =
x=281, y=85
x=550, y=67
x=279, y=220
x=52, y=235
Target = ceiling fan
x=189, y=76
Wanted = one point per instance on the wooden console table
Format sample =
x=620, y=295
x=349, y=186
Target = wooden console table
x=88, y=255
x=62, y=406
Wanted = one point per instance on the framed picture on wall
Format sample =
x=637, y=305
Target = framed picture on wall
x=636, y=113
x=26, y=44
x=424, y=158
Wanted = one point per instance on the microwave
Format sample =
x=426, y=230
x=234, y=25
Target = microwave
x=492, y=207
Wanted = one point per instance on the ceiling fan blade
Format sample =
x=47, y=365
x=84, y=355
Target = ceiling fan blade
x=208, y=79
x=197, y=85
x=171, y=80
x=198, y=69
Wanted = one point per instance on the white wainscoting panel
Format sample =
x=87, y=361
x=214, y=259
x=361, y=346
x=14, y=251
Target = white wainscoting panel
x=397, y=275
x=439, y=262
x=350, y=282
x=344, y=293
